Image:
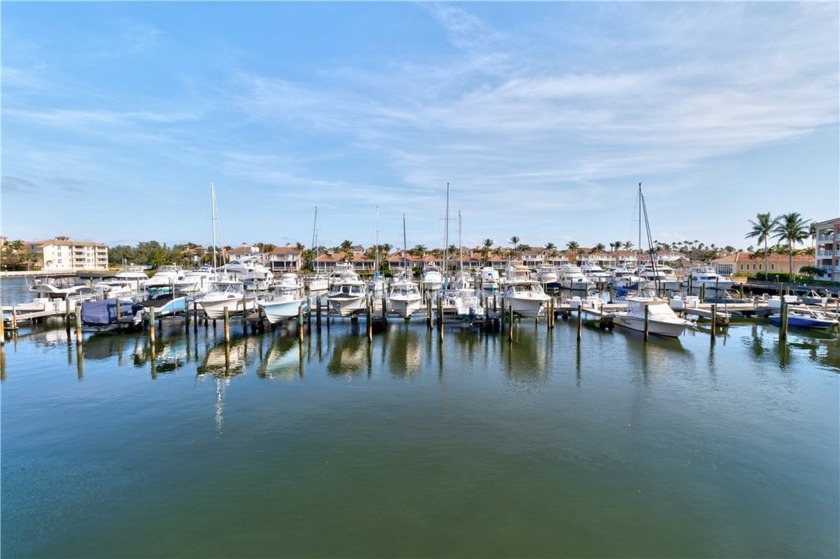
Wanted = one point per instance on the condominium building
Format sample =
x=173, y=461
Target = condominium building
x=62, y=254
x=827, y=255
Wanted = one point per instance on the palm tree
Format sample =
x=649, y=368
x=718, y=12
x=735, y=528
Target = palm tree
x=627, y=245
x=485, y=249
x=515, y=242
x=599, y=248
x=792, y=229
x=574, y=248
x=762, y=228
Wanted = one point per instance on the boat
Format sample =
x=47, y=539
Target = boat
x=285, y=299
x=547, y=276
x=649, y=312
x=812, y=297
x=223, y=294
x=572, y=277
x=133, y=274
x=660, y=275
x=104, y=315
x=706, y=277
x=404, y=295
x=319, y=282
x=166, y=276
x=165, y=304
x=661, y=318
x=347, y=294
x=806, y=318
x=194, y=282
x=58, y=287
x=621, y=277
x=432, y=279
x=596, y=274
x=254, y=275
x=525, y=297
x=489, y=278
x=114, y=287
x=461, y=303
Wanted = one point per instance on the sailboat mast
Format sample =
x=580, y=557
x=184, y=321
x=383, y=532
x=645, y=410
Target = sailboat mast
x=405, y=271
x=460, y=245
x=213, y=219
x=376, y=246
x=315, y=239
x=446, y=234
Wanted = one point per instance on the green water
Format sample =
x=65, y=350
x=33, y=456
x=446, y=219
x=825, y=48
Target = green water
x=410, y=447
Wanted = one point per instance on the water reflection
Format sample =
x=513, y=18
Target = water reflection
x=402, y=346
x=817, y=346
x=227, y=359
x=350, y=356
x=525, y=357
x=283, y=359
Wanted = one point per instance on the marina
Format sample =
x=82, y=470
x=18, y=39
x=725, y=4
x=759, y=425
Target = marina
x=188, y=439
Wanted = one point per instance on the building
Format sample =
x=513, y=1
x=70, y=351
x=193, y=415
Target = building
x=749, y=264
x=827, y=254
x=284, y=259
x=63, y=254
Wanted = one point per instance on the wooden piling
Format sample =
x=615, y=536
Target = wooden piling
x=226, y=325
x=300, y=323
x=580, y=321
x=510, y=323
x=714, y=320
x=647, y=323
x=369, y=318
x=151, y=322
x=79, y=323
x=318, y=313
x=783, y=320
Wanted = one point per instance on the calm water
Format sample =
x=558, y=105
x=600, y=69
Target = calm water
x=473, y=447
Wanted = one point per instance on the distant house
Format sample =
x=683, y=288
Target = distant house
x=63, y=254
x=749, y=264
x=284, y=259
x=827, y=255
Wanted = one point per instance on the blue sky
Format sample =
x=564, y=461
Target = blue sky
x=543, y=118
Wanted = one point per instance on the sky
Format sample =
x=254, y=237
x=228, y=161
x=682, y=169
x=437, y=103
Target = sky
x=542, y=117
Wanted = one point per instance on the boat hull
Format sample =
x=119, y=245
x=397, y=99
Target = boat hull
x=216, y=309
x=277, y=311
x=657, y=327
x=348, y=305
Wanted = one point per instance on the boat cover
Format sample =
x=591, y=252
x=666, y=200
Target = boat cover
x=104, y=312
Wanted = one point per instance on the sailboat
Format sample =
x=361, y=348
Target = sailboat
x=462, y=302
x=404, y=295
x=376, y=286
x=223, y=293
x=653, y=310
x=319, y=282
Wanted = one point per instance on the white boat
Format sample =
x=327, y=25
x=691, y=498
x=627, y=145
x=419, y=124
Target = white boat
x=526, y=298
x=318, y=283
x=432, y=279
x=348, y=295
x=707, y=278
x=596, y=274
x=662, y=320
x=376, y=285
x=223, y=294
x=283, y=302
x=461, y=303
x=194, y=282
x=110, y=288
x=250, y=271
x=166, y=276
x=622, y=277
x=516, y=272
x=660, y=275
x=572, y=277
x=404, y=297
x=547, y=276
x=60, y=287
x=134, y=274
x=489, y=278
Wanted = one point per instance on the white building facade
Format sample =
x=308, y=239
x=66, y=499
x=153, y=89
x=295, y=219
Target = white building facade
x=63, y=254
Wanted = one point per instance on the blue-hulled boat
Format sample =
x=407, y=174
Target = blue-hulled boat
x=806, y=319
